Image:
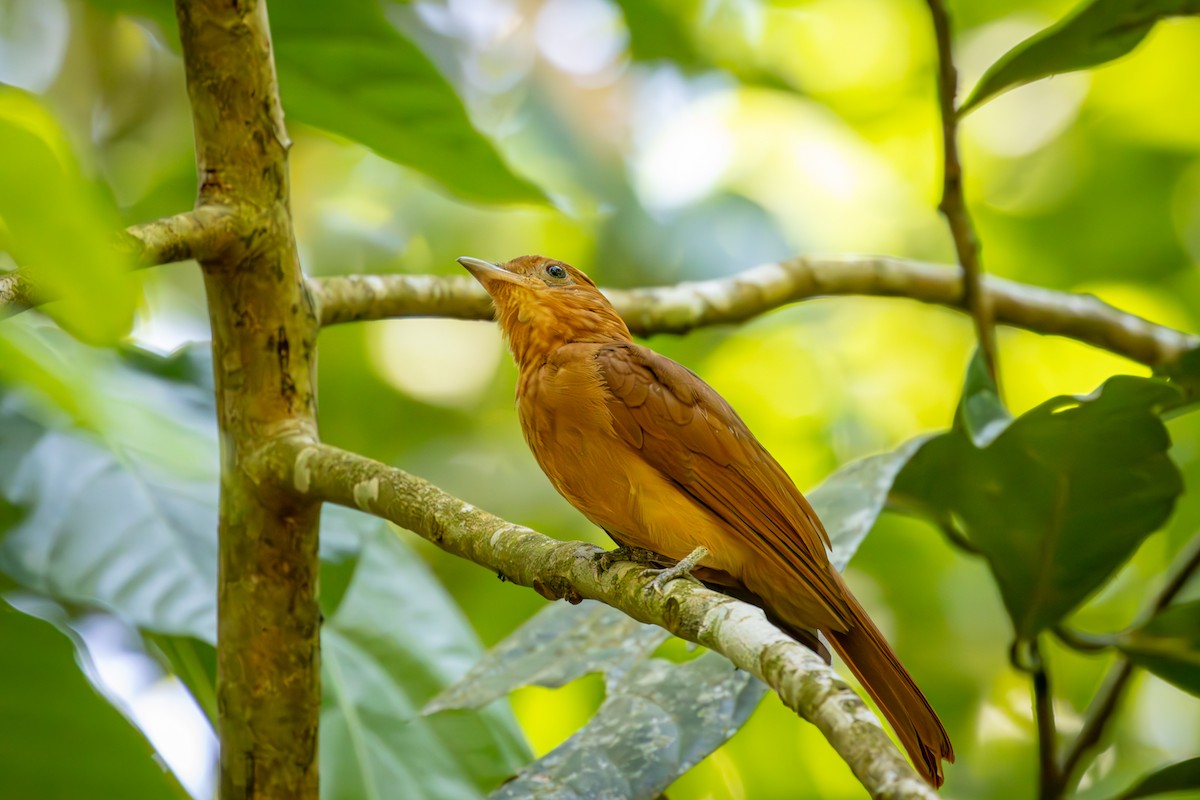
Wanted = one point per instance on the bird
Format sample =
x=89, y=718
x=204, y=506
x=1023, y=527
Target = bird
x=653, y=455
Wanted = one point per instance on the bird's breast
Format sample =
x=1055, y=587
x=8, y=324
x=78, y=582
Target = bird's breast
x=563, y=408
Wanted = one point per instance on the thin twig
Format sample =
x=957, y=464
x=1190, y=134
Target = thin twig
x=1100, y=712
x=686, y=306
x=200, y=234
x=953, y=206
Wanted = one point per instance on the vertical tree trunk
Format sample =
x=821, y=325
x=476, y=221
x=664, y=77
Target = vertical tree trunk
x=263, y=329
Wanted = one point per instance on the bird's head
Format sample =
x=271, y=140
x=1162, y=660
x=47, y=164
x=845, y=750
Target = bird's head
x=543, y=304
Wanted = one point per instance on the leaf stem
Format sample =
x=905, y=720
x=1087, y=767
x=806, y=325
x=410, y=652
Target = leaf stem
x=1043, y=706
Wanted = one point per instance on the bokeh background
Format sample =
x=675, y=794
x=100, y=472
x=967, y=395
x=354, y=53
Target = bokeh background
x=693, y=142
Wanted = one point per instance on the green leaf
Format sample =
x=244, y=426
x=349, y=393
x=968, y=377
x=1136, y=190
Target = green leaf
x=48, y=710
x=123, y=521
x=59, y=226
x=555, y=646
x=1168, y=645
x=344, y=68
x=396, y=641
x=1094, y=33
x=1059, y=499
x=981, y=413
x=850, y=500
x=1179, y=777
x=658, y=722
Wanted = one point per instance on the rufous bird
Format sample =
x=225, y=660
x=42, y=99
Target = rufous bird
x=652, y=454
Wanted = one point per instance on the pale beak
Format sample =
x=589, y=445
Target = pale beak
x=486, y=272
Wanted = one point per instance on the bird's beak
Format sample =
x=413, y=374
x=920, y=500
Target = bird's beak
x=488, y=273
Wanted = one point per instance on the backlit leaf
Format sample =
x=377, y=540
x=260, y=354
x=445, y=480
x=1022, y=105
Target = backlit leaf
x=1096, y=32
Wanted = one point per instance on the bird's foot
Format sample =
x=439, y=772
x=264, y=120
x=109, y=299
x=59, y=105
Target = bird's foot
x=682, y=569
x=638, y=555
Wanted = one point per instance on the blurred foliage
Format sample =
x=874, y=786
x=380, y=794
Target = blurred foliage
x=48, y=708
x=677, y=140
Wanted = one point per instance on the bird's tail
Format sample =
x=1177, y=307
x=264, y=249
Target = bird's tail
x=874, y=663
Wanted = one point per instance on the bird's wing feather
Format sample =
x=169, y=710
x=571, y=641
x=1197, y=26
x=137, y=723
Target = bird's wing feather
x=687, y=431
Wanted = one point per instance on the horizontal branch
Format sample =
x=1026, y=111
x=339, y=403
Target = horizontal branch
x=568, y=570
x=198, y=234
x=683, y=307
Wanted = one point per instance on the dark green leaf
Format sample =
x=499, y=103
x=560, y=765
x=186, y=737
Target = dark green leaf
x=58, y=737
x=345, y=69
x=657, y=723
x=849, y=501
x=395, y=642
x=1061, y=498
x=1168, y=645
x=1094, y=33
x=1179, y=777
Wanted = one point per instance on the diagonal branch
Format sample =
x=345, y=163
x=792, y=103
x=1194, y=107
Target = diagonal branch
x=568, y=570
x=953, y=205
x=686, y=306
x=200, y=234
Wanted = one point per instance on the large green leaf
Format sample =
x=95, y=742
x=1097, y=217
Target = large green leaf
x=850, y=500
x=48, y=710
x=1094, y=33
x=1060, y=498
x=122, y=520
x=59, y=226
x=658, y=722
x=395, y=641
x=1168, y=645
x=1179, y=777
x=344, y=68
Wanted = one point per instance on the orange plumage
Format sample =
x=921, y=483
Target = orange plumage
x=653, y=455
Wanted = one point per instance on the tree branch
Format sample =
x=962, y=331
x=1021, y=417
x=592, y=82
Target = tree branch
x=1101, y=710
x=264, y=331
x=200, y=234
x=953, y=205
x=569, y=570
x=686, y=306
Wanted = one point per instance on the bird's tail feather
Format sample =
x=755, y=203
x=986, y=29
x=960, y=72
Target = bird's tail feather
x=874, y=663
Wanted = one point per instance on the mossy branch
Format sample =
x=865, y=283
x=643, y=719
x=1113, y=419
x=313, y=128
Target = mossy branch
x=686, y=306
x=569, y=570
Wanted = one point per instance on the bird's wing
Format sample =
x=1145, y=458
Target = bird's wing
x=687, y=431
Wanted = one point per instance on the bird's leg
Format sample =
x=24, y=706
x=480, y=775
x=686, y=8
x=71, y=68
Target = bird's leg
x=682, y=569
x=638, y=555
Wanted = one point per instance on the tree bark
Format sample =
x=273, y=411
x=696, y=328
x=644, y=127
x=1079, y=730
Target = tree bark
x=263, y=329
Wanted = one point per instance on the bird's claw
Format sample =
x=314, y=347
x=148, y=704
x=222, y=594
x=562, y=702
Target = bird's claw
x=682, y=569
x=637, y=555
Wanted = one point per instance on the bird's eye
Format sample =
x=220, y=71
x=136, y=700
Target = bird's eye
x=555, y=271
